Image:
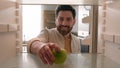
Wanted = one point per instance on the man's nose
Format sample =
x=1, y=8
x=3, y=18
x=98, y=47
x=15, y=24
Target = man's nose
x=64, y=23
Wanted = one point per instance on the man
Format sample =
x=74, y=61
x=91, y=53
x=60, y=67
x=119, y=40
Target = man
x=56, y=38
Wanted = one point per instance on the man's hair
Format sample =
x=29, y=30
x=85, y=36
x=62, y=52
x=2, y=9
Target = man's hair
x=65, y=8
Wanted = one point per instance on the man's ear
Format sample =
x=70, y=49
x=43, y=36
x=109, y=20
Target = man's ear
x=55, y=21
x=74, y=21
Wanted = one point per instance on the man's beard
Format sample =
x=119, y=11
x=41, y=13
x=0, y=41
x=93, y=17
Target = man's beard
x=62, y=31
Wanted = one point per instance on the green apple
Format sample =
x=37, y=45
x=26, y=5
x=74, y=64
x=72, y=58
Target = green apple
x=60, y=57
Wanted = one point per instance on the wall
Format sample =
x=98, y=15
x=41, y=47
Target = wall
x=108, y=21
x=112, y=28
x=113, y=18
x=8, y=29
x=100, y=30
x=109, y=33
x=7, y=46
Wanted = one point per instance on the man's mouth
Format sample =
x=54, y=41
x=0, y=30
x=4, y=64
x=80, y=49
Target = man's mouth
x=64, y=27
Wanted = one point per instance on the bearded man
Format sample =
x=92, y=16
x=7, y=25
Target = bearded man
x=58, y=37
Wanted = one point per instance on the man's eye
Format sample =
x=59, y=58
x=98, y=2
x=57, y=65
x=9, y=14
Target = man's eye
x=69, y=19
x=61, y=19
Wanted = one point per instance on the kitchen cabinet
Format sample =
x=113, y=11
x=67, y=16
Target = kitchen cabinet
x=49, y=18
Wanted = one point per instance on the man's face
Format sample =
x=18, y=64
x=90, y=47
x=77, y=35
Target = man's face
x=64, y=22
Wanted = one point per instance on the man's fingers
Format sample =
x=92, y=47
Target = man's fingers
x=54, y=46
x=41, y=55
x=46, y=53
x=49, y=55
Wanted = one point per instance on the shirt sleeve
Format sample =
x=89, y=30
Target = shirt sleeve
x=42, y=37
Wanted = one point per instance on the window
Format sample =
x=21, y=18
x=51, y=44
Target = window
x=83, y=27
x=31, y=21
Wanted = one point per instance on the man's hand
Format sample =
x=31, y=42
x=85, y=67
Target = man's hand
x=46, y=54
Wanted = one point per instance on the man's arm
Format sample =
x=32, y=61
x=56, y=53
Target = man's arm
x=30, y=43
x=42, y=37
x=43, y=50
